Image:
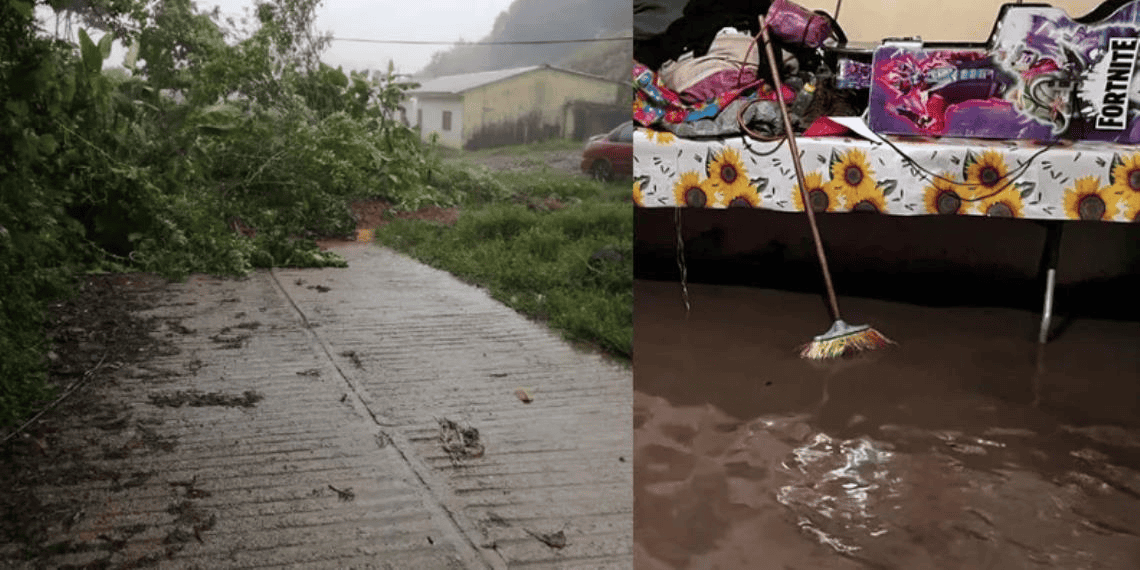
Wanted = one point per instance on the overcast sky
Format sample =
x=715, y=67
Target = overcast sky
x=419, y=20
x=415, y=20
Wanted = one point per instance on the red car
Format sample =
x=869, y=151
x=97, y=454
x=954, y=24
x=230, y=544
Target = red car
x=611, y=154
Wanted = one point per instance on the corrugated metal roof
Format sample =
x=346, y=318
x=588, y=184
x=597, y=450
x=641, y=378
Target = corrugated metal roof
x=459, y=83
x=456, y=84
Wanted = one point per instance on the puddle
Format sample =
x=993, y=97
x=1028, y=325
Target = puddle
x=958, y=449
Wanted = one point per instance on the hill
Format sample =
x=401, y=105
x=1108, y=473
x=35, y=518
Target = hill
x=529, y=20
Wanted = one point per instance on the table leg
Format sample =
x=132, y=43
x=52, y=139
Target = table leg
x=1049, y=260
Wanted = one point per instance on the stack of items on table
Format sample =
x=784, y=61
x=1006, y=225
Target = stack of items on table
x=700, y=69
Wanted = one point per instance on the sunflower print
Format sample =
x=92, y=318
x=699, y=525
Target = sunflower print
x=1087, y=200
x=726, y=176
x=661, y=137
x=745, y=197
x=946, y=196
x=852, y=173
x=689, y=191
x=1004, y=204
x=853, y=179
x=638, y=195
x=1126, y=184
x=1126, y=174
x=1131, y=209
x=986, y=173
x=823, y=197
x=867, y=199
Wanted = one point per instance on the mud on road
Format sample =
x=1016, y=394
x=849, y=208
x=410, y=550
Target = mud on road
x=326, y=418
x=96, y=334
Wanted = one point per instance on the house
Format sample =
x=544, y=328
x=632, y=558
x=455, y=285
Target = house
x=518, y=106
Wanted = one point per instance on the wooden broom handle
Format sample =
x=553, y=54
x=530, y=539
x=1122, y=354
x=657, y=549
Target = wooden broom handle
x=799, y=167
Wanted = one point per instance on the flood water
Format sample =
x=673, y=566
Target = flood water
x=966, y=446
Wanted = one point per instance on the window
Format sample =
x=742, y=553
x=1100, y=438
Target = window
x=625, y=134
x=447, y=120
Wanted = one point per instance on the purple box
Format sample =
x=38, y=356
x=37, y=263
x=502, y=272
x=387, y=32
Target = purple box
x=1041, y=76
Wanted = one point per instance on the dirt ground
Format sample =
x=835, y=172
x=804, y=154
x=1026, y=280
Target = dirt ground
x=95, y=334
x=370, y=214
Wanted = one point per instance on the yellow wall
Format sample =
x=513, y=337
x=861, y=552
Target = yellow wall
x=544, y=90
x=933, y=20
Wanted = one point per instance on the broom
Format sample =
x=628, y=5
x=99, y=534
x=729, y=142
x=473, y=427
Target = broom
x=841, y=338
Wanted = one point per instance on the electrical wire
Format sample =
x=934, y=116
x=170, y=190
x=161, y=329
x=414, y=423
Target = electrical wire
x=464, y=43
x=1013, y=175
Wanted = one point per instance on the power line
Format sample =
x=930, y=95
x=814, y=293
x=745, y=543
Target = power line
x=457, y=42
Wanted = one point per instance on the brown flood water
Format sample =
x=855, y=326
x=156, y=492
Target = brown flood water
x=964, y=447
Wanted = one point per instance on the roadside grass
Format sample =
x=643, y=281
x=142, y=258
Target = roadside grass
x=519, y=150
x=559, y=250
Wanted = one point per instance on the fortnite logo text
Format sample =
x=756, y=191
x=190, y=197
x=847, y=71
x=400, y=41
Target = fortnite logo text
x=1121, y=58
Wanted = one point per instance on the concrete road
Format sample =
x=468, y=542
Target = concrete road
x=353, y=418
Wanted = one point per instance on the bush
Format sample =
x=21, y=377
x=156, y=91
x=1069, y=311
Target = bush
x=214, y=156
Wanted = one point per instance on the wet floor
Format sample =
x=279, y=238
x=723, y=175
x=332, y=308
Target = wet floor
x=964, y=447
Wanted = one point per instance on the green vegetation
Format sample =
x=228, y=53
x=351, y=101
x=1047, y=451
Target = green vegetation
x=519, y=150
x=560, y=251
x=216, y=151
x=220, y=150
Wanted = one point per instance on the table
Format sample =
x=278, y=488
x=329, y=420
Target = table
x=1046, y=182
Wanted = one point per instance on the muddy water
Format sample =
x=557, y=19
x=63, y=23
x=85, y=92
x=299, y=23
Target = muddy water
x=964, y=447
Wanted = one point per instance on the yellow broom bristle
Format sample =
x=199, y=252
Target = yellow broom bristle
x=868, y=339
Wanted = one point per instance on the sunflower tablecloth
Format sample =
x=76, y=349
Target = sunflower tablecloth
x=1019, y=179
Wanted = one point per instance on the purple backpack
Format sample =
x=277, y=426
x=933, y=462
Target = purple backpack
x=797, y=25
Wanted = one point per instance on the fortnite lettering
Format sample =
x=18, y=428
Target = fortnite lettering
x=1114, y=104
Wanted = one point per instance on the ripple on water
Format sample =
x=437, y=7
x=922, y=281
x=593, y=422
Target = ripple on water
x=712, y=491
x=863, y=499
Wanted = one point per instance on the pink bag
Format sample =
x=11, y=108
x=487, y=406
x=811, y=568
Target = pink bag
x=797, y=25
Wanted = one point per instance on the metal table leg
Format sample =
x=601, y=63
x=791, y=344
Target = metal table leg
x=1049, y=261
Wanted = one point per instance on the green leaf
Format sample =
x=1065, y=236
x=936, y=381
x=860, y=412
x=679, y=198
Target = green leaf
x=888, y=186
x=761, y=184
x=105, y=46
x=971, y=159
x=17, y=108
x=218, y=118
x=1116, y=161
x=26, y=9
x=47, y=144
x=26, y=146
x=67, y=89
x=338, y=78
x=92, y=59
